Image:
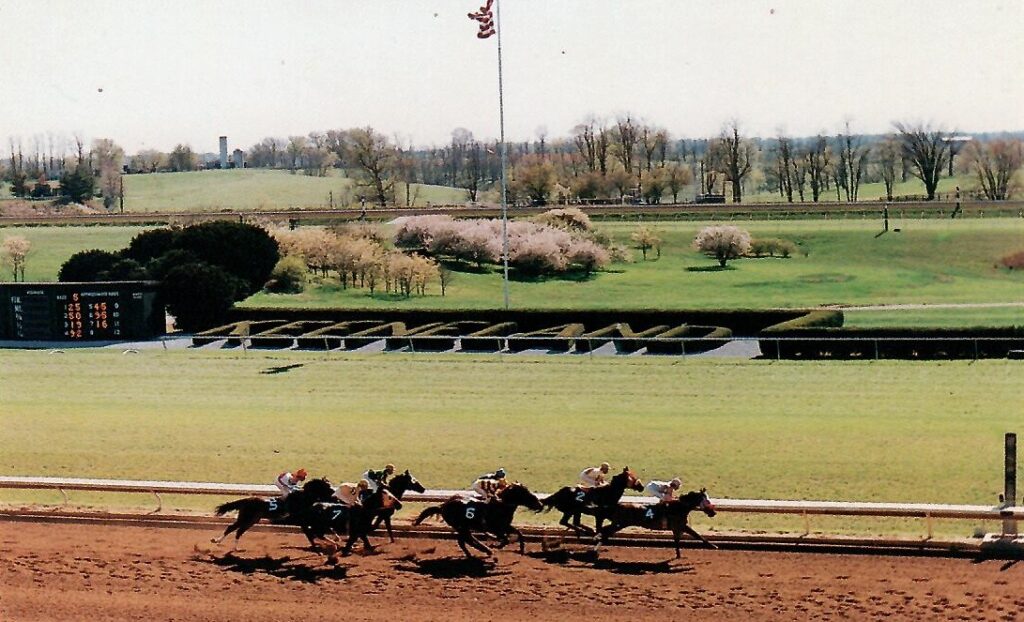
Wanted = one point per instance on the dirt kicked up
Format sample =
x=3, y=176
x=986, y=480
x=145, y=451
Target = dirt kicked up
x=90, y=572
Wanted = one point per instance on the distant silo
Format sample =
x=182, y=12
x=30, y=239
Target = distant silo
x=223, y=152
x=238, y=158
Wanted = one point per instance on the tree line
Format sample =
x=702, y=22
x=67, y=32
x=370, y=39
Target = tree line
x=601, y=160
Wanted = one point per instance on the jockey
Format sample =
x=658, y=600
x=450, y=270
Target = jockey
x=593, y=477
x=378, y=478
x=664, y=491
x=350, y=494
x=498, y=475
x=489, y=487
x=289, y=483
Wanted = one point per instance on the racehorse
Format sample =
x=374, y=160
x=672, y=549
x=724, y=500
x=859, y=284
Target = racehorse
x=466, y=515
x=397, y=487
x=671, y=515
x=321, y=519
x=277, y=510
x=598, y=501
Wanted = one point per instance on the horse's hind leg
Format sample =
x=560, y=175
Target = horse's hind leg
x=227, y=532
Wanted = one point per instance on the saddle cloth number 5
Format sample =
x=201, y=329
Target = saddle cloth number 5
x=272, y=505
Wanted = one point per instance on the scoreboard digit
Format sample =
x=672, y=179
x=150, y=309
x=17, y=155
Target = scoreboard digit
x=109, y=311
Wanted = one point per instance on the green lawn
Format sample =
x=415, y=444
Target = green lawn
x=839, y=262
x=870, y=192
x=250, y=189
x=51, y=246
x=872, y=431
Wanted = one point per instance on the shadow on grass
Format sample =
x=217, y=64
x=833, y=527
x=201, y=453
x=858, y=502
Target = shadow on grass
x=709, y=268
x=283, y=567
x=577, y=276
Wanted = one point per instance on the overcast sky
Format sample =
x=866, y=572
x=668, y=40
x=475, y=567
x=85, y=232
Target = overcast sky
x=150, y=74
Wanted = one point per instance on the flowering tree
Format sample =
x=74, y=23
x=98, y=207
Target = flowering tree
x=723, y=242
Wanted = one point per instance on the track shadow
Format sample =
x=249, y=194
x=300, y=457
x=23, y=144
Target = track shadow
x=283, y=567
x=282, y=369
x=588, y=558
x=452, y=567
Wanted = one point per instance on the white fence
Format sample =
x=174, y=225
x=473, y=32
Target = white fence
x=926, y=511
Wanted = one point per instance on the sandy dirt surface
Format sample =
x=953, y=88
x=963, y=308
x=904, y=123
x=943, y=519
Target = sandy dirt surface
x=90, y=572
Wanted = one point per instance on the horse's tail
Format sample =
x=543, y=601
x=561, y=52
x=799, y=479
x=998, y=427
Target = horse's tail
x=433, y=510
x=231, y=506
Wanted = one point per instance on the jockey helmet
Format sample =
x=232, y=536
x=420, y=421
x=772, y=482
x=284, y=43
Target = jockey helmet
x=500, y=473
x=676, y=483
x=390, y=468
x=301, y=474
x=605, y=467
x=363, y=484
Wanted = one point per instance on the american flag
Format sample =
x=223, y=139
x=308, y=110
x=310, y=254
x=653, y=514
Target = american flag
x=486, y=19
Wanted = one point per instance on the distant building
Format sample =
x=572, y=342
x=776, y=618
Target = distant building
x=237, y=159
x=223, y=152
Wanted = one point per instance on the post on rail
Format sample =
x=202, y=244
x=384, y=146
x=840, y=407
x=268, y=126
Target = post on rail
x=1010, y=481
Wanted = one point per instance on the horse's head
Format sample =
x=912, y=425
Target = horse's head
x=629, y=480
x=704, y=503
x=518, y=494
x=319, y=489
x=401, y=483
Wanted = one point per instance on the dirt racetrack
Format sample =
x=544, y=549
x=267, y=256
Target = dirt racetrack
x=93, y=572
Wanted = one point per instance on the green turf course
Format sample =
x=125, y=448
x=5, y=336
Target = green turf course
x=871, y=431
x=869, y=192
x=251, y=189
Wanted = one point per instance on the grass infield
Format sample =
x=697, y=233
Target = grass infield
x=863, y=431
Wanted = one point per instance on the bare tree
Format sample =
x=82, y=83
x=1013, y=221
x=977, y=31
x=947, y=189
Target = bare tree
x=854, y=158
x=109, y=158
x=296, y=145
x=735, y=158
x=585, y=140
x=626, y=136
x=995, y=165
x=817, y=159
x=887, y=158
x=375, y=157
x=677, y=176
x=927, y=150
x=784, y=166
x=181, y=158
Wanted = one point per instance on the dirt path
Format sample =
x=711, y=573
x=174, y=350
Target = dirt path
x=87, y=572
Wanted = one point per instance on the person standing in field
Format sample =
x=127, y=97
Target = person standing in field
x=288, y=483
x=592, y=477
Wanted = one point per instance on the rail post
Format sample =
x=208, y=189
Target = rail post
x=1010, y=480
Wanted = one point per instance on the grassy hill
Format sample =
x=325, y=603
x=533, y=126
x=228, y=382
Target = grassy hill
x=250, y=189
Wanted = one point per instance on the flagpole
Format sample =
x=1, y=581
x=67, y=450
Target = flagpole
x=504, y=159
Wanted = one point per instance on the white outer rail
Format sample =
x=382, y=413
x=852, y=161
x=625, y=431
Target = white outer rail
x=755, y=506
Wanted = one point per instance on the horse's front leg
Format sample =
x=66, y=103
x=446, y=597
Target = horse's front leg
x=696, y=535
x=519, y=538
x=387, y=524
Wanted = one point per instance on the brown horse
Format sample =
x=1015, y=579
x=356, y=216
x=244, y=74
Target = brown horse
x=466, y=515
x=322, y=520
x=398, y=486
x=599, y=502
x=671, y=515
x=253, y=509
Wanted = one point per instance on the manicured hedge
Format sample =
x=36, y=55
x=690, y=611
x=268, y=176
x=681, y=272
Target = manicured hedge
x=742, y=322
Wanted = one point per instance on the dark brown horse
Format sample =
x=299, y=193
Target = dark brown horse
x=671, y=515
x=598, y=502
x=253, y=509
x=398, y=486
x=466, y=515
x=322, y=520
